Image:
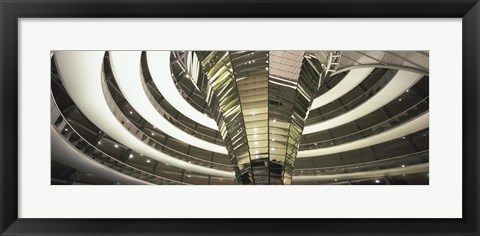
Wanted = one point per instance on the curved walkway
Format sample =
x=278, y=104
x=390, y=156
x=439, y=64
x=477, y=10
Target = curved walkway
x=95, y=108
x=125, y=66
x=81, y=73
x=64, y=152
x=402, y=81
x=412, y=126
x=351, y=80
x=159, y=67
x=414, y=169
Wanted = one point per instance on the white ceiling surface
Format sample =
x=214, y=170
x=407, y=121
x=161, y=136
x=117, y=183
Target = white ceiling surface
x=402, y=81
x=159, y=66
x=419, y=123
x=126, y=68
x=419, y=168
x=351, y=80
x=81, y=75
x=64, y=152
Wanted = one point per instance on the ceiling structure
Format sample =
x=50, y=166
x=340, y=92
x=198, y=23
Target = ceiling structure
x=240, y=117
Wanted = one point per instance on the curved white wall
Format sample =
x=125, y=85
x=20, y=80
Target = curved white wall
x=420, y=168
x=81, y=72
x=402, y=81
x=127, y=70
x=351, y=80
x=64, y=152
x=158, y=62
x=159, y=66
x=419, y=123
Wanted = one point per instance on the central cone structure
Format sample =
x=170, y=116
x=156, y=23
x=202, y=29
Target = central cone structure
x=260, y=101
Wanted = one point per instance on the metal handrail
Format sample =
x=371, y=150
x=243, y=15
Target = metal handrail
x=61, y=126
x=163, y=112
x=177, y=84
x=398, y=161
x=367, y=94
x=332, y=142
x=118, y=113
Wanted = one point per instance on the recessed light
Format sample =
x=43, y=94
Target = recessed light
x=274, y=120
x=399, y=99
x=131, y=112
x=131, y=155
x=99, y=142
x=148, y=161
x=153, y=134
x=116, y=145
x=377, y=181
x=335, y=180
x=403, y=165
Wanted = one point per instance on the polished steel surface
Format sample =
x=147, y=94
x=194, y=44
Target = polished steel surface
x=260, y=101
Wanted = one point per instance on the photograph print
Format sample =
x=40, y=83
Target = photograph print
x=239, y=117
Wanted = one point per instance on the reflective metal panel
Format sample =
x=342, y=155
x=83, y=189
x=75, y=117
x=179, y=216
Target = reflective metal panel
x=260, y=101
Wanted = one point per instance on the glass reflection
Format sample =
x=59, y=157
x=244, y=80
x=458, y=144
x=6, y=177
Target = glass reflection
x=260, y=101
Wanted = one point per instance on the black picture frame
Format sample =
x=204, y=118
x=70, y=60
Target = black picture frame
x=12, y=10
